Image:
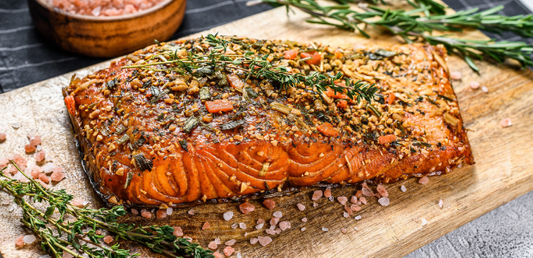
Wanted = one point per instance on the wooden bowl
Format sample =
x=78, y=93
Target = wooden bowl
x=107, y=36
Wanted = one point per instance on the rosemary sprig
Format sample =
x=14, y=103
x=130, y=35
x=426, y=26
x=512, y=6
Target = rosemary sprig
x=79, y=237
x=255, y=65
x=411, y=26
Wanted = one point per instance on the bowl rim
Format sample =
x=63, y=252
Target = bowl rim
x=142, y=13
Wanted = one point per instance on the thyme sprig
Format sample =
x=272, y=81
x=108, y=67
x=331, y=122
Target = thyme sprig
x=255, y=65
x=412, y=25
x=79, y=236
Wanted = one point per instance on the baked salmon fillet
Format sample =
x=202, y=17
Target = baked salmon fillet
x=219, y=118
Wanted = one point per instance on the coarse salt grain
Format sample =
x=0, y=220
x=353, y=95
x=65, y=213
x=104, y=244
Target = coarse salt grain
x=40, y=157
x=274, y=221
x=234, y=225
x=259, y=226
x=161, y=214
x=363, y=200
x=169, y=211
x=57, y=175
x=206, y=225
x=3, y=137
x=367, y=191
x=327, y=193
x=253, y=241
x=246, y=207
x=424, y=222
x=191, y=212
x=178, y=232
x=456, y=76
x=228, y=251
x=108, y=239
x=304, y=219
x=424, y=180
x=506, y=122
x=80, y=203
x=382, y=190
x=135, y=212
x=353, y=199
x=384, y=201
x=345, y=214
x=217, y=240
x=316, y=195
x=358, y=217
x=227, y=215
x=146, y=214
x=303, y=229
x=29, y=239
x=342, y=200
x=48, y=168
x=403, y=188
x=218, y=255
x=344, y=230
x=277, y=214
x=484, y=89
x=264, y=240
x=212, y=245
x=231, y=242
x=325, y=229
x=284, y=225
x=300, y=206
x=19, y=242
x=269, y=204
x=315, y=204
x=260, y=221
x=474, y=85
x=441, y=203
x=242, y=225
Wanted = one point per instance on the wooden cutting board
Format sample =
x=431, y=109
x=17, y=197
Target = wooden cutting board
x=503, y=169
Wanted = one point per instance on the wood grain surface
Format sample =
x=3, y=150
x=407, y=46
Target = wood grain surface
x=503, y=169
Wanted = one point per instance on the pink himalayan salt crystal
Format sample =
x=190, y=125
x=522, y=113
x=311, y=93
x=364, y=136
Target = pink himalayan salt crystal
x=48, y=168
x=424, y=180
x=29, y=149
x=135, y=211
x=367, y=191
x=441, y=203
x=424, y=222
x=353, y=199
x=344, y=230
x=342, y=200
x=284, y=225
x=212, y=245
x=40, y=156
x=228, y=251
x=474, y=85
x=316, y=195
x=484, y=89
x=217, y=240
x=384, y=201
x=3, y=163
x=259, y=226
x=242, y=225
x=303, y=229
x=169, y=211
x=277, y=214
x=300, y=206
x=274, y=221
x=355, y=207
x=327, y=193
x=381, y=190
x=161, y=213
x=35, y=140
x=146, y=214
x=403, y=188
x=456, y=76
x=315, y=204
x=218, y=255
x=19, y=242
x=348, y=209
x=35, y=172
x=253, y=241
x=44, y=178
x=304, y=219
x=227, y=215
x=103, y=8
x=270, y=231
x=67, y=255
x=231, y=242
x=260, y=221
x=80, y=203
x=506, y=122
x=29, y=239
x=264, y=240
x=178, y=232
x=363, y=200
x=21, y=161
x=57, y=175
x=3, y=137
x=206, y=225
x=108, y=239
x=346, y=214
x=269, y=204
x=359, y=193
x=246, y=207
x=191, y=212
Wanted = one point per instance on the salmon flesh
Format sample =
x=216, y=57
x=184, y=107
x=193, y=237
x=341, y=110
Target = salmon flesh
x=221, y=118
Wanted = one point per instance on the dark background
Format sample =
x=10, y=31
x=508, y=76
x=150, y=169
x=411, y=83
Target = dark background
x=26, y=59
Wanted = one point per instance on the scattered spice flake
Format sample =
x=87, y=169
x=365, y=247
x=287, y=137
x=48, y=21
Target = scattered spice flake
x=363, y=200
x=178, y=232
x=384, y=201
x=424, y=180
x=3, y=137
x=242, y=225
x=274, y=221
x=317, y=195
x=506, y=122
x=212, y=245
x=264, y=240
x=277, y=214
x=206, y=225
x=403, y=188
x=367, y=191
x=344, y=230
x=19, y=242
x=484, y=89
x=231, y=242
x=146, y=214
x=253, y=241
x=441, y=204
x=228, y=251
x=304, y=219
x=227, y=215
x=381, y=190
x=342, y=200
x=269, y=204
x=456, y=76
x=327, y=192
x=284, y=225
x=474, y=85
x=325, y=229
x=246, y=207
x=353, y=199
x=108, y=239
x=424, y=222
x=191, y=212
x=300, y=206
